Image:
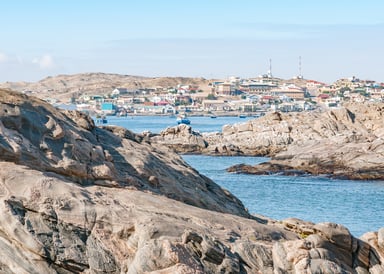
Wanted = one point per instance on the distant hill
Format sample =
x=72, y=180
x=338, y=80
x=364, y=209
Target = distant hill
x=63, y=87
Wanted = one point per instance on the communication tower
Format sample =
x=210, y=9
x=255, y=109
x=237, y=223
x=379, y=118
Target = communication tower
x=269, y=74
x=300, y=76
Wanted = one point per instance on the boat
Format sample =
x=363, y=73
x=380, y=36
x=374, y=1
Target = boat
x=122, y=113
x=183, y=120
x=242, y=116
x=213, y=116
x=101, y=120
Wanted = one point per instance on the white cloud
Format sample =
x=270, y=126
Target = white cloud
x=44, y=62
x=3, y=58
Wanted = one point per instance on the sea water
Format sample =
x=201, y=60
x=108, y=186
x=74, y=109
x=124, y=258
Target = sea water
x=155, y=124
x=359, y=205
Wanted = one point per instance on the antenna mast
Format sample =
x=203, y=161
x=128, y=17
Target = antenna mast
x=270, y=68
x=300, y=75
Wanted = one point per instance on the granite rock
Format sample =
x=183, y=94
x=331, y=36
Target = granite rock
x=76, y=198
x=341, y=143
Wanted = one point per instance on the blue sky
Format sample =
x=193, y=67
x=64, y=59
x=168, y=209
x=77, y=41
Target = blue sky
x=199, y=38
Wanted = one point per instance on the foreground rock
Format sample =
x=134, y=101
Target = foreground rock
x=80, y=199
x=342, y=143
x=51, y=225
x=68, y=144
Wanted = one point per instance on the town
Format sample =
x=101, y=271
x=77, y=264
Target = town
x=232, y=96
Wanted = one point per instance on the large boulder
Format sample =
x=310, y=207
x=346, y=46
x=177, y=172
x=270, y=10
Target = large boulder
x=181, y=139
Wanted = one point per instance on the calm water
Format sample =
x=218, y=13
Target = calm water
x=157, y=123
x=357, y=205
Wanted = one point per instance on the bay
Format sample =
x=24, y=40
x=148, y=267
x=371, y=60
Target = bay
x=356, y=204
x=155, y=124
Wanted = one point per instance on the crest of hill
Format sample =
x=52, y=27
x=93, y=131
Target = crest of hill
x=63, y=87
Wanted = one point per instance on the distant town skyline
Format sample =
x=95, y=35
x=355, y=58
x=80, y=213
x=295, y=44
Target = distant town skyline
x=210, y=39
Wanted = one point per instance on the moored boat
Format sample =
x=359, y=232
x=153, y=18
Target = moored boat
x=101, y=120
x=183, y=120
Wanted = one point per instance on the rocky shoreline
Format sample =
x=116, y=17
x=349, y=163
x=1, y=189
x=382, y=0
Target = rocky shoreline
x=341, y=143
x=77, y=198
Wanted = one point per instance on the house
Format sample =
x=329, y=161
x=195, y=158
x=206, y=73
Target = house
x=94, y=98
x=124, y=100
x=267, y=99
x=314, y=84
x=224, y=88
x=215, y=84
x=213, y=105
x=290, y=91
x=119, y=91
x=295, y=106
x=357, y=97
x=162, y=103
x=329, y=89
x=322, y=98
x=169, y=109
x=182, y=89
x=377, y=94
x=253, y=87
x=244, y=106
x=199, y=97
x=313, y=87
x=108, y=108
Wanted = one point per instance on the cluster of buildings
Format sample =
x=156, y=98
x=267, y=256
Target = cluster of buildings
x=236, y=95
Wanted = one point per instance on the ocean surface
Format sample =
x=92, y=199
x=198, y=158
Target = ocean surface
x=359, y=205
x=155, y=124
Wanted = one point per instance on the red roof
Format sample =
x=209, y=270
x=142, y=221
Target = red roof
x=323, y=96
x=162, y=103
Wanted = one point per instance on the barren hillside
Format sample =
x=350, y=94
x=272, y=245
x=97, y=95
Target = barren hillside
x=63, y=87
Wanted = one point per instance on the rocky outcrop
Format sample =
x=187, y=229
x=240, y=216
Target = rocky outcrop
x=342, y=143
x=182, y=139
x=76, y=198
x=68, y=143
x=51, y=225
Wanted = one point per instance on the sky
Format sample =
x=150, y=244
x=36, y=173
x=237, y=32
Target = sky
x=193, y=38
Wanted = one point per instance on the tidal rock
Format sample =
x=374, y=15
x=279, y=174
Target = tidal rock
x=181, y=139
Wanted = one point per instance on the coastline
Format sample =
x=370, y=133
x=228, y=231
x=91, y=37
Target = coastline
x=79, y=198
x=339, y=143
